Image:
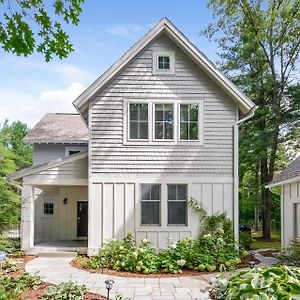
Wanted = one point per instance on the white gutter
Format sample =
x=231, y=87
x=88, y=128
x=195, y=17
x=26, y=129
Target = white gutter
x=236, y=125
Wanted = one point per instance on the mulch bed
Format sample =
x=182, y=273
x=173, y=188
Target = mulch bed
x=269, y=253
x=38, y=293
x=76, y=263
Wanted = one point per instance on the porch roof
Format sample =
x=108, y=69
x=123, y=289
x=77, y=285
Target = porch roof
x=46, y=166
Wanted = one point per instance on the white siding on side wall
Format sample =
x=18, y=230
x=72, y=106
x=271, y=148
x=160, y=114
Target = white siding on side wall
x=110, y=156
x=43, y=153
x=116, y=209
x=290, y=205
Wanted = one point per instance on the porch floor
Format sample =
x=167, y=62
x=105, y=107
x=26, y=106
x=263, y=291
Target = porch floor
x=79, y=246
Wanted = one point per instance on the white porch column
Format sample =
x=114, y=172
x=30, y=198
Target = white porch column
x=27, y=217
x=95, y=218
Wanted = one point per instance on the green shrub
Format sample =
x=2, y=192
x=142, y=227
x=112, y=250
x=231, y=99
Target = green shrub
x=9, y=245
x=291, y=255
x=65, y=291
x=272, y=283
x=245, y=240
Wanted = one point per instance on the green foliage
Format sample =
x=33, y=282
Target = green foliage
x=245, y=239
x=14, y=155
x=271, y=283
x=205, y=253
x=291, y=254
x=259, y=43
x=28, y=26
x=9, y=245
x=65, y=291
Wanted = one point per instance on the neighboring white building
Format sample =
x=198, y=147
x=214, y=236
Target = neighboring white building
x=159, y=126
x=289, y=181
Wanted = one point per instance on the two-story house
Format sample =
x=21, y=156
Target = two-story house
x=158, y=127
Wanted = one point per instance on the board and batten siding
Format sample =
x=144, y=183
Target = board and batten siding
x=290, y=212
x=110, y=156
x=116, y=210
x=43, y=153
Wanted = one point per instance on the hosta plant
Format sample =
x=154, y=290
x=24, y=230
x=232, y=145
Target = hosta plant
x=272, y=283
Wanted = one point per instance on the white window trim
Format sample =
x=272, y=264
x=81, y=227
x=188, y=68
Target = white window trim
x=200, y=122
x=156, y=54
x=151, y=123
x=68, y=149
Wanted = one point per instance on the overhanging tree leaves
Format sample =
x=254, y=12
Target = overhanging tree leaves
x=260, y=45
x=37, y=25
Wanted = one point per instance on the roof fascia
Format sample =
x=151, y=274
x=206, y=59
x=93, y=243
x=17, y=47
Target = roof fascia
x=283, y=182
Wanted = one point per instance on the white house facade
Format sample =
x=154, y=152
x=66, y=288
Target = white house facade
x=158, y=127
x=289, y=182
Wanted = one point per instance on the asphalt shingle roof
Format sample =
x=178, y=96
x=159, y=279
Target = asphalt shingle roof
x=58, y=128
x=291, y=171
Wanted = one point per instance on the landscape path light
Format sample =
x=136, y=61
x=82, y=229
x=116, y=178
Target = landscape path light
x=109, y=285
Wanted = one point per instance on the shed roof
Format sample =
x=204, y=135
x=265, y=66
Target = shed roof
x=58, y=128
x=289, y=174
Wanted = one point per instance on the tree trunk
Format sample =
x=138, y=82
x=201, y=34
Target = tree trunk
x=256, y=227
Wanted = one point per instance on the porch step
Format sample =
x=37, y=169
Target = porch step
x=57, y=254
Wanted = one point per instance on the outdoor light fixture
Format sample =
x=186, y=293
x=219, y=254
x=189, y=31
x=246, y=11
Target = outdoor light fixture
x=65, y=200
x=252, y=262
x=109, y=284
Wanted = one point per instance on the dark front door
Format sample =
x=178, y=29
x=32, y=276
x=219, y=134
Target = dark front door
x=82, y=218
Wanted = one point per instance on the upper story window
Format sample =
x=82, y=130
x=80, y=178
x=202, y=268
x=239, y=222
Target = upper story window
x=138, y=121
x=164, y=121
x=163, y=62
x=189, y=121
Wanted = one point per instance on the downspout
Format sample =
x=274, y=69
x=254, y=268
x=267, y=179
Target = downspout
x=236, y=125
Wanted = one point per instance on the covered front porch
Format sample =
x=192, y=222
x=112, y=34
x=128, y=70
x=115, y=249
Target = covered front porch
x=54, y=214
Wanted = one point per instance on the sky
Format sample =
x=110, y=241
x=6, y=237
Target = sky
x=30, y=87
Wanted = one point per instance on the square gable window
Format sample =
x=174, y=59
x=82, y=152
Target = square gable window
x=163, y=62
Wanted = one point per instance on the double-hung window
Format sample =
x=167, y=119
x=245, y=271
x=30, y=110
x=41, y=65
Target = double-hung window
x=138, y=121
x=164, y=121
x=189, y=121
x=177, y=204
x=150, y=201
x=48, y=208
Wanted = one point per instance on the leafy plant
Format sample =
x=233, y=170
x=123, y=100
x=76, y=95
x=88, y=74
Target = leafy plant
x=245, y=239
x=271, y=283
x=9, y=245
x=64, y=291
x=291, y=254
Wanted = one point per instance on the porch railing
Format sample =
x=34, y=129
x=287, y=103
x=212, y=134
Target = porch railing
x=10, y=230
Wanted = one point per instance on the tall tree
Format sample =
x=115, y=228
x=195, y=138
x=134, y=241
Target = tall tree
x=27, y=26
x=260, y=45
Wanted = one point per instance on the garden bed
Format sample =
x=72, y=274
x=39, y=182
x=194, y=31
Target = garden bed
x=269, y=253
x=39, y=290
x=77, y=263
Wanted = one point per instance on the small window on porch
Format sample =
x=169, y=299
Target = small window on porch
x=48, y=208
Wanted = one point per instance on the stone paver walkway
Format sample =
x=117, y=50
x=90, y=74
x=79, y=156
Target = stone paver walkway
x=58, y=269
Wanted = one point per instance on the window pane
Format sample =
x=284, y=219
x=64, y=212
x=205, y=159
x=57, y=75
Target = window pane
x=184, y=131
x=133, y=130
x=194, y=131
x=143, y=112
x=159, y=115
x=155, y=191
x=193, y=112
x=181, y=192
x=177, y=213
x=169, y=131
x=184, y=112
x=145, y=191
x=158, y=130
x=168, y=112
x=143, y=130
x=150, y=213
x=164, y=121
x=171, y=191
x=133, y=111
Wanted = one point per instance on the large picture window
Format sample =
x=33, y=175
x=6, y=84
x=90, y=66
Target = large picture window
x=189, y=122
x=164, y=121
x=150, y=202
x=138, y=121
x=177, y=204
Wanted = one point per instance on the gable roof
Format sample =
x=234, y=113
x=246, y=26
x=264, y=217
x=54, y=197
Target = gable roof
x=290, y=174
x=165, y=26
x=51, y=164
x=58, y=128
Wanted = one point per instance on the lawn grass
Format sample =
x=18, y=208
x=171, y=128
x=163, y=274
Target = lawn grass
x=260, y=243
